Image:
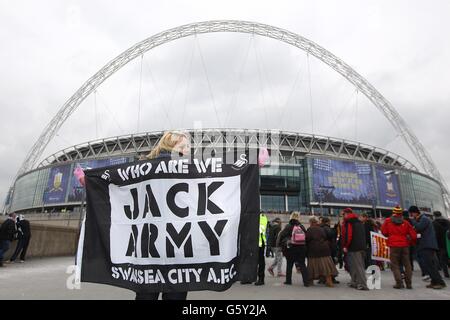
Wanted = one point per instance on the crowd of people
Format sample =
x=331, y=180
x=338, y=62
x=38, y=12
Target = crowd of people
x=14, y=228
x=318, y=250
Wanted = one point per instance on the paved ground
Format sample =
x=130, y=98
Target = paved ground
x=47, y=279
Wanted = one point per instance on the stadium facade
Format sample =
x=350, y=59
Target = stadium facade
x=310, y=174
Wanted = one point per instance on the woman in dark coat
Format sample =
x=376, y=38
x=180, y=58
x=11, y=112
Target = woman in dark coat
x=320, y=263
x=294, y=253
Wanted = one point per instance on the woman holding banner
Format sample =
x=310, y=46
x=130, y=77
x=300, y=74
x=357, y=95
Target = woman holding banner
x=171, y=143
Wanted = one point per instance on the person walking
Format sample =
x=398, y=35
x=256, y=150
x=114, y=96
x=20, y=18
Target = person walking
x=275, y=229
x=412, y=247
x=332, y=241
x=338, y=231
x=263, y=221
x=292, y=240
x=441, y=226
x=400, y=236
x=368, y=227
x=354, y=244
x=7, y=235
x=427, y=247
x=320, y=264
x=24, y=236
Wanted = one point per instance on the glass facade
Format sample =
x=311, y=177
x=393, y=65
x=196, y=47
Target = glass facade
x=284, y=187
x=273, y=203
x=407, y=188
x=24, y=191
x=427, y=193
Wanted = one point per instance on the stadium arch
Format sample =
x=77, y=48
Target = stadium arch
x=377, y=99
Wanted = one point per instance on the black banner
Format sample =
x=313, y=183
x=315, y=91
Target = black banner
x=171, y=225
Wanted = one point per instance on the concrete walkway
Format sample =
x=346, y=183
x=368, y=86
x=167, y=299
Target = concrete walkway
x=47, y=279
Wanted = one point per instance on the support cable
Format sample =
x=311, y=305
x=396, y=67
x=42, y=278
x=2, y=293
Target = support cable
x=291, y=92
x=261, y=86
x=111, y=112
x=356, y=115
x=96, y=116
x=269, y=85
x=235, y=96
x=174, y=92
x=158, y=92
x=139, y=99
x=344, y=108
x=310, y=95
x=188, y=82
x=207, y=79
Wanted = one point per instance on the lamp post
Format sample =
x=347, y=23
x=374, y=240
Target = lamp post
x=374, y=208
x=321, y=195
x=83, y=200
x=388, y=173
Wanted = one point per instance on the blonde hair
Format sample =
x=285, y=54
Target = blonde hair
x=295, y=216
x=167, y=143
x=313, y=221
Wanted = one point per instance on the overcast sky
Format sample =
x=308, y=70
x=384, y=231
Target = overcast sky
x=50, y=48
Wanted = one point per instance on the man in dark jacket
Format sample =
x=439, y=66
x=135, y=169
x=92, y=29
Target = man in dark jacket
x=354, y=244
x=364, y=217
x=7, y=233
x=24, y=236
x=427, y=247
x=441, y=225
x=274, y=230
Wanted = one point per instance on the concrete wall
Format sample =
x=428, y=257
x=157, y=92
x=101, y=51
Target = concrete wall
x=304, y=219
x=48, y=241
x=59, y=237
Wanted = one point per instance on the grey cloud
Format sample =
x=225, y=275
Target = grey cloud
x=51, y=48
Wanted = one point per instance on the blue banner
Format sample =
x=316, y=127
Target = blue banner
x=76, y=189
x=337, y=181
x=388, y=187
x=57, y=184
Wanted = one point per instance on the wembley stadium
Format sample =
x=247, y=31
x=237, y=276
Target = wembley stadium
x=313, y=174
x=307, y=173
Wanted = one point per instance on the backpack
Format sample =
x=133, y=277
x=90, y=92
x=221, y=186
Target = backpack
x=298, y=236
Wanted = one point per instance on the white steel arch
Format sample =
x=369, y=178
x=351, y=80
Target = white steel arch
x=382, y=104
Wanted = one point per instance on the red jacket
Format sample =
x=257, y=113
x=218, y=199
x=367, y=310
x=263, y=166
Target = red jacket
x=399, y=235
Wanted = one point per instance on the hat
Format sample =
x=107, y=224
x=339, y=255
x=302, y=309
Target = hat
x=414, y=209
x=437, y=214
x=397, y=211
x=348, y=210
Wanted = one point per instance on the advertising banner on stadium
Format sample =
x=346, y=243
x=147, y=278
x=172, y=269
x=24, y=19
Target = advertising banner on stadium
x=338, y=181
x=167, y=225
x=380, y=250
x=76, y=189
x=388, y=188
x=58, y=180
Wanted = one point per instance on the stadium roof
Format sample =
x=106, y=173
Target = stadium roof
x=288, y=144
